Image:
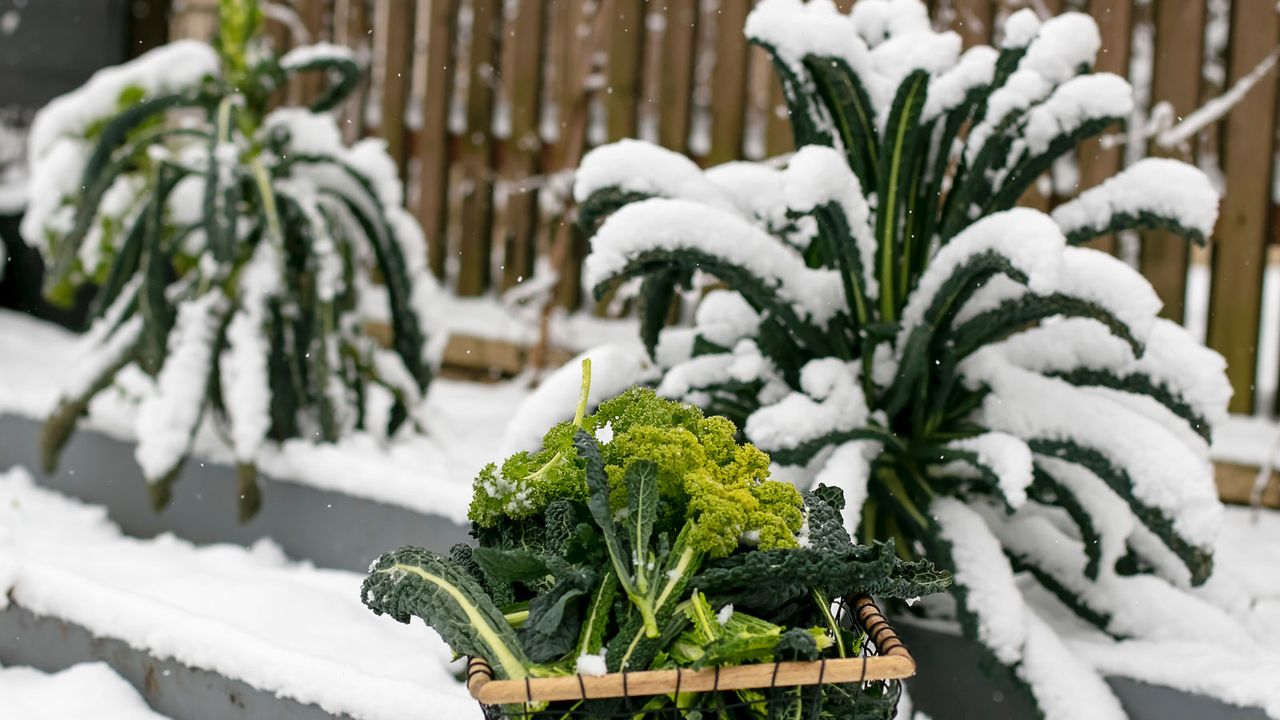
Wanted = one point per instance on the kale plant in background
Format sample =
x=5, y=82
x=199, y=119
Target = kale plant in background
x=233, y=251
x=982, y=387
x=643, y=537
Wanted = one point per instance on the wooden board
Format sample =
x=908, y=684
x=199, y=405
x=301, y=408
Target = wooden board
x=1097, y=161
x=476, y=180
x=515, y=223
x=1176, y=80
x=1235, y=485
x=432, y=72
x=393, y=49
x=729, y=83
x=1236, y=288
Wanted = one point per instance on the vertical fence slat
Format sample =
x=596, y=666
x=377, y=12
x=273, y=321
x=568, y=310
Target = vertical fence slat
x=436, y=19
x=973, y=21
x=393, y=48
x=677, y=73
x=351, y=29
x=314, y=16
x=477, y=150
x=1097, y=163
x=521, y=87
x=729, y=83
x=1236, y=288
x=1176, y=80
x=622, y=81
x=587, y=25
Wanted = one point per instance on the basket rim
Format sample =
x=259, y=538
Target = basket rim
x=894, y=662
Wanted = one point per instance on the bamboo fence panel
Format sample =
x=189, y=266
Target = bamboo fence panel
x=487, y=103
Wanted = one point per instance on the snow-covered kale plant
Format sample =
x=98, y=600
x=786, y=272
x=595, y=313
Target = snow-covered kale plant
x=885, y=320
x=237, y=253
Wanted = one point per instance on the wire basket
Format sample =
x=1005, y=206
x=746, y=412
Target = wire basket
x=866, y=687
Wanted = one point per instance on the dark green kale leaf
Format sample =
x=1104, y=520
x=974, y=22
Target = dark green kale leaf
x=826, y=524
x=513, y=565
x=555, y=616
x=501, y=592
x=912, y=580
x=766, y=580
x=412, y=582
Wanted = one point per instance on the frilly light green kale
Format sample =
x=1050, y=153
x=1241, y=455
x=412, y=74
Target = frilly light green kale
x=644, y=536
x=700, y=466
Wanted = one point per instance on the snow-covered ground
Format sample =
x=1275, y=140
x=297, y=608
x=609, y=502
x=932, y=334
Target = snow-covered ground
x=88, y=690
x=282, y=627
x=204, y=605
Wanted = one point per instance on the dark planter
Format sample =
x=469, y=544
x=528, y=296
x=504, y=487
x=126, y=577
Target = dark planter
x=328, y=528
x=170, y=688
x=950, y=685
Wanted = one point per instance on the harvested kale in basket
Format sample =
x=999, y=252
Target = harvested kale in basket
x=644, y=536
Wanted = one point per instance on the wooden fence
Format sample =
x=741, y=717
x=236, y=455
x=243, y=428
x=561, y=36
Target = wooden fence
x=485, y=104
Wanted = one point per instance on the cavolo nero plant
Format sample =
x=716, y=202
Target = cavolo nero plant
x=236, y=251
x=984, y=389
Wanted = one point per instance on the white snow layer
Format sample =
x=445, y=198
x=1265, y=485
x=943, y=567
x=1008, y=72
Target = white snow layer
x=57, y=149
x=881, y=41
x=818, y=175
x=307, y=54
x=1026, y=238
x=1064, y=686
x=831, y=401
x=1171, y=358
x=641, y=167
x=1165, y=474
x=245, y=384
x=169, y=417
x=282, y=627
x=661, y=224
x=88, y=690
x=1076, y=102
x=1008, y=458
x=849, y=469
x=1166, y=188
x=168, y=68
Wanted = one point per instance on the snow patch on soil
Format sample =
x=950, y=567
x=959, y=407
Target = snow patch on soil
x=250, y=614
x=87, y=690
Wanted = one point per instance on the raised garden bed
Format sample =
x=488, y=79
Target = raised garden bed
x=330, y=528
x=950, y=685
x=169, y=687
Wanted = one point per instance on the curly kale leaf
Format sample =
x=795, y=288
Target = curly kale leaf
x=515, y=565
x=769, y=579
x=555, y=616
x=912, y=580
x=501, y=592
x=827, y=533
x=412, y=582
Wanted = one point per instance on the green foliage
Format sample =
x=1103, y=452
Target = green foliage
x=265, y=218
x=609, y=566
x=413, y=582
x=886, y=320
x=697, y=463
